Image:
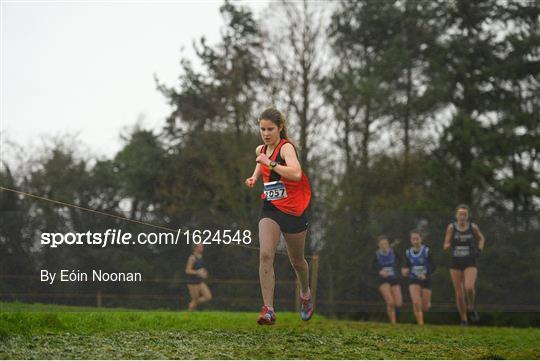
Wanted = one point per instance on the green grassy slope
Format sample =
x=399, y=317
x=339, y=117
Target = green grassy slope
x=44, y=331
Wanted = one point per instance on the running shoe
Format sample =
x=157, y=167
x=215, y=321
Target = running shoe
x=306, y=311
x=474, y=316
x=267, y=317
x=464, y=323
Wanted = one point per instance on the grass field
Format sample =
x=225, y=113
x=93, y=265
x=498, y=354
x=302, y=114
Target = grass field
x=62, y=332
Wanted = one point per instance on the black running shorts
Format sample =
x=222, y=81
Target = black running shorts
x=391, y=281
x=287, y=222
x=423, y=283
x=460, y=263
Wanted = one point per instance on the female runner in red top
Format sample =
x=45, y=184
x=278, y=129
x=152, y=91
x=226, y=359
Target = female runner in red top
x=286, y=197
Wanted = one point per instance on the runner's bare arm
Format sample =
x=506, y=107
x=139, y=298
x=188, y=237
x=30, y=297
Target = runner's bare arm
x=479, y=237
x=257, y=171
x=292, y=171
x=189, y=266
x=406, y=268
x=250, y=182
x=448, y=237
x=405, y=271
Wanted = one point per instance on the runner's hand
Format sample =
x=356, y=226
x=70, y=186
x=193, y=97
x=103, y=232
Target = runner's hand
x=263, y=159
x=203, y=273
x=250, y=182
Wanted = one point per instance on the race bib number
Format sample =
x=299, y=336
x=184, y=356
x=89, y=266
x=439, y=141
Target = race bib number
x=389, y=271
x=275, y=190
x=419, y=270
x=462, y=251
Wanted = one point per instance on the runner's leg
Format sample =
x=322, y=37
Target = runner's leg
x=269, y=233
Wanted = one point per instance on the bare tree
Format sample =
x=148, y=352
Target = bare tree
x=295, y=50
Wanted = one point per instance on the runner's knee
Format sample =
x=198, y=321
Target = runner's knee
x=298, y=263
x=266, y=257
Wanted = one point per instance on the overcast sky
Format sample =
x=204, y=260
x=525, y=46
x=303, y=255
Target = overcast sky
x=88, y=68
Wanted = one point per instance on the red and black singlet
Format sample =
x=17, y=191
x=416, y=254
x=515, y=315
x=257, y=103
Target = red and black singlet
x=291, y=197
